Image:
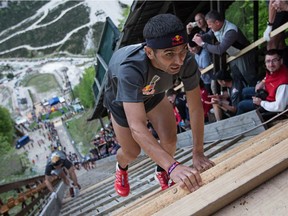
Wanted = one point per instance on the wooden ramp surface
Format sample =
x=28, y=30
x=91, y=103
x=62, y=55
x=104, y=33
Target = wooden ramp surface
x=227, y=128
x=147, y=199
x=268, y=199
x=231, y=185
x=266, y=156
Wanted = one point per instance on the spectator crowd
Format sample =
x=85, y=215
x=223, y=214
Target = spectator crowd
x=238, y=88
x=104, y=142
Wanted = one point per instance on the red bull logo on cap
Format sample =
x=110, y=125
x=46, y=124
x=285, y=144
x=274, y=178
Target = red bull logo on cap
x=167, y=41
x=177, y=40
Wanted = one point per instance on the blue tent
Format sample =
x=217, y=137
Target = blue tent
x=53, y=101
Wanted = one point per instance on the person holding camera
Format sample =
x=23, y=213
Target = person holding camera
x=231, y=41
x=200, y=22
x=270, y=94
x=225, y=104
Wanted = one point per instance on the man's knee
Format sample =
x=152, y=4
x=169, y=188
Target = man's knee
x=65, y=179
x=71, y=169
x=132, y=152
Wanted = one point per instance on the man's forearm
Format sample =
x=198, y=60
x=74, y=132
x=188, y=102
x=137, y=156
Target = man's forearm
x=49, y=185
x=197, y=128
x=196, y=114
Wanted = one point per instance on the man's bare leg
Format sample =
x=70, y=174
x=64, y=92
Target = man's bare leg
x=163, y=120
x=129, y=148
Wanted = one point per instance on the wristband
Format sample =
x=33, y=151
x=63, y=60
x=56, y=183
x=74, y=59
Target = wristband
x=172, y=167
x=269, y=23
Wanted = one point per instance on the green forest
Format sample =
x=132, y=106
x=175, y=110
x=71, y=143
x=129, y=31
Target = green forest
x=6, y=131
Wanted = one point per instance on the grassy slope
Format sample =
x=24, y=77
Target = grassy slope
x=42, y=82
x=82, y=131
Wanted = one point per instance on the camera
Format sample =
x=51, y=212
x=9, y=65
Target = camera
x=262, y=94
x=194, y=24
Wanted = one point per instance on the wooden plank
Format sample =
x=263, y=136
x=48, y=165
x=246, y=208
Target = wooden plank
x=225, y=129
x=258, y=201
x=230, y=186
x=257, y=139
x=258, y=42
x=174, y=193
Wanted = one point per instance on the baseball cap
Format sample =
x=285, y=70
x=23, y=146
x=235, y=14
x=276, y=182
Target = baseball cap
x=56, y=160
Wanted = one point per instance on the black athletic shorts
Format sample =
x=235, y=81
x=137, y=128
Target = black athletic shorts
x=280, y=19
x=119, y=114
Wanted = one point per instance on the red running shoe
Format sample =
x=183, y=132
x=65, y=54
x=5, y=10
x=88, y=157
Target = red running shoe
x=171, y=183
x=163, y=179
x=121, y=183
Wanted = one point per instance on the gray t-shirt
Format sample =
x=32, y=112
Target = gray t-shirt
x=132, y=78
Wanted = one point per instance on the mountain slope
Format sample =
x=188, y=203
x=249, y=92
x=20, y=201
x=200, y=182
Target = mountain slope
x=56, y=26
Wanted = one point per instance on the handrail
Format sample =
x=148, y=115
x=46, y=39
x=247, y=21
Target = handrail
x=14, y=185
x=36, y=186
x=243, y=51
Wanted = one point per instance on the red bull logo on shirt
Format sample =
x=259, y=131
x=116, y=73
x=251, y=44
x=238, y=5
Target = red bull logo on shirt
x=150, y=89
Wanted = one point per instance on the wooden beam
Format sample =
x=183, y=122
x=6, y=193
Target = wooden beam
x=230, y=186
x=249, y=150
x=257, y=139
x=258, y=201
x=258, y=42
